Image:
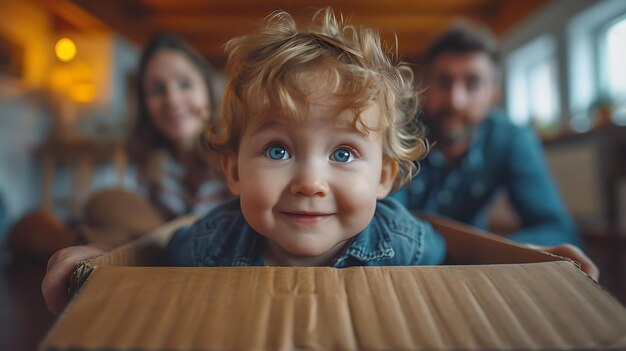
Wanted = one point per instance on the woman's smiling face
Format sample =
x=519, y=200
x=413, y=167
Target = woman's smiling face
x=176, y=96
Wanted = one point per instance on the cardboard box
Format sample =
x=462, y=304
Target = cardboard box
x=498, y=296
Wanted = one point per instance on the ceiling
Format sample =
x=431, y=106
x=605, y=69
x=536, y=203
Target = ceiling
x=208, y=24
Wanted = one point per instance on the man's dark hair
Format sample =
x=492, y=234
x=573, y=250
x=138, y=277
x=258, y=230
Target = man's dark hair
x=463, y=38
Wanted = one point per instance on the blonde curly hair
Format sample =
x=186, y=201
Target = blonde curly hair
x=264, y=69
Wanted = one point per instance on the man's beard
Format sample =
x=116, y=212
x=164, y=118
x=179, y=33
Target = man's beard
x=437, y=133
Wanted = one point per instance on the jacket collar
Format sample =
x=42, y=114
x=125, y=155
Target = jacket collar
x=245, y=246
x=373, y=243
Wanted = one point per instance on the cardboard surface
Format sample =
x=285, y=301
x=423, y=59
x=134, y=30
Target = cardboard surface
x=512, y=306
x=468, y=245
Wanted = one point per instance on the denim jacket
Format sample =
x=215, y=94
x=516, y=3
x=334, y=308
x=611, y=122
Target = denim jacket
x=393, y=238
x=502, y=156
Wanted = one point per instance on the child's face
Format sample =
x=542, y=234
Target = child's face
x=310, y=185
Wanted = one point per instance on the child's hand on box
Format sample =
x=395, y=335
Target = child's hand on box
x=60, y=267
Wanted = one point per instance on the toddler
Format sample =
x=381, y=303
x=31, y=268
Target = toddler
x=317, y=128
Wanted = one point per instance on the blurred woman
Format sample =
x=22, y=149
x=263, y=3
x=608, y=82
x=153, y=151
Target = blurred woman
x=175, y=100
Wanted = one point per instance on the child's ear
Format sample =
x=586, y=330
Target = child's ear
x=387, y=177
x=231, y=171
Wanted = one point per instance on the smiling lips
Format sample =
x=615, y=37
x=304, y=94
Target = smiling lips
x=307, y=217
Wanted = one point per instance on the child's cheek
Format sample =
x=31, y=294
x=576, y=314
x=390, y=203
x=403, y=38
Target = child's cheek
x=357, y=200
x=260, y=189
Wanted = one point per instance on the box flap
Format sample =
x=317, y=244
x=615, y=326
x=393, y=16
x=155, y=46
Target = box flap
x=510, y=307
x=469, y=245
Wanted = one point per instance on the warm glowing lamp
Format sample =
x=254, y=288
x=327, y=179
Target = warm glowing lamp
x=82, y=92
x=65, y=49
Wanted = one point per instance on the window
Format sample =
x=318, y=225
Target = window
x=532, y=84
x=542, y=89
x=597, y=75
x=614, y=82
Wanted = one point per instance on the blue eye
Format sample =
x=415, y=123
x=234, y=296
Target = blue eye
x=341, y=155
x=277, y=152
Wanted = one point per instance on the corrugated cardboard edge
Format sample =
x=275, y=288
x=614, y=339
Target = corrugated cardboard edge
x=487, y=248
x=458, y=235
x=493, y=249
x=146, y=251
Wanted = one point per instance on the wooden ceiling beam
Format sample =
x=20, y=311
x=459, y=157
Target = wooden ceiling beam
x=410, y=47
x=507, y=17
x=208, y=24
x=345, y=6
x=74, y=15
x=119, y=17
x=193, y=23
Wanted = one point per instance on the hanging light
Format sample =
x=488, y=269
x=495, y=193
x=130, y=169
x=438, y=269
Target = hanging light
x=65, y=49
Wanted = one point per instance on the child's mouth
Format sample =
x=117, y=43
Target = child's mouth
x=307, y=217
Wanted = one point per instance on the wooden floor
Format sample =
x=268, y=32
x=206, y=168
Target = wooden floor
x=24, y=319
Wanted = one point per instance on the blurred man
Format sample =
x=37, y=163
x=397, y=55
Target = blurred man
x=477, y=151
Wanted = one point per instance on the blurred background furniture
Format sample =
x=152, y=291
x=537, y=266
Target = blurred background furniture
x=613, y=151
x=80, y=156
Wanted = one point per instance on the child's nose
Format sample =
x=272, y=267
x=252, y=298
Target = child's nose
x=309, y=181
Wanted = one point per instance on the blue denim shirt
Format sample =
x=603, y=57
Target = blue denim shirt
x=393, y=238
x=502, y=156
